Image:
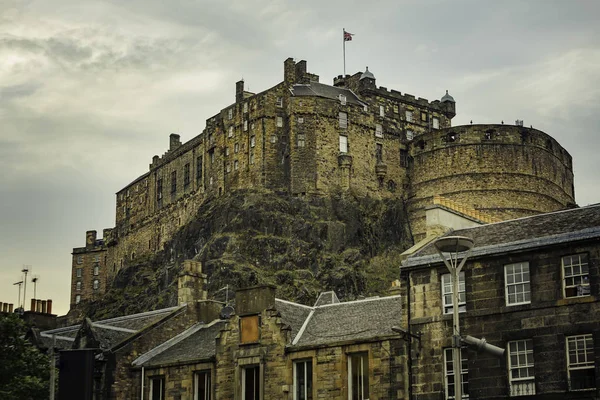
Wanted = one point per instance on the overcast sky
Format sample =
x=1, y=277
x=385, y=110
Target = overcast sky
x=90, y=90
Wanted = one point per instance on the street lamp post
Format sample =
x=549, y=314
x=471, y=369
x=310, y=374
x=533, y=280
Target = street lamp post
x=449, y=248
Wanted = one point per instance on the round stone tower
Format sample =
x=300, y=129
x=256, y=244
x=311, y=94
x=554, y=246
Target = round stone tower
x=505, y=171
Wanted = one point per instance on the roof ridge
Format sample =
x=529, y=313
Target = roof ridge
x=293, y=303
x=359, y=301
x=144, y=314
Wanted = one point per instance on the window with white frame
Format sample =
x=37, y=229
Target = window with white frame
x=79, y=259
x=228, y=168
x=230, y=113
x=226, y=151
x=409, y=116
x=78, y=272
x=436, y=123
x=576, y=275
x=343, y=144
x=252, y=141
x=273, y=138
x=96, y=284
x=303, y=380
x=343, y=118
x=245, y=107
x=157, y=388
x=230, y=134
x=395, y=108
x=409, y=134
x=301, y=140
x=279, y=102
x=358, y=376
x=236, y=165
x=245, y=125
x=251, y=383
x=381, y=111
x=449, y=374
x=236, y=147
x=300, y=120
x=580, y=362
x=517, y=287
x=78, y=299
x=521, y=374
x=366, y=108
x=447, y=293
x=342, y=99
x=202, y=385
x=279, y=122
x=378, y=131
x=78, y=286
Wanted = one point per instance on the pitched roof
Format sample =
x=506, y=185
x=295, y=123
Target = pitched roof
x=292, y=314
x=322, y=90
x=522, y=234
x=194, y=344
x=353, y=320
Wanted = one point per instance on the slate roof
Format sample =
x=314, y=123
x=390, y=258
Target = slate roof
x=194, y=344
x=358, y=320
x=522, y=234
x=110, y=332
x=292, y=314
x=326, y=91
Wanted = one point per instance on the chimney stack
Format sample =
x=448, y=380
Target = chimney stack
x=174, y=141
x=191, y=282
x=239, y=91
x=289, y=71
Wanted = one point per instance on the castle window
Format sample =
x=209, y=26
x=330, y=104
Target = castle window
x=447, y=293
x=226, y=151
x=409, y=116
x=342, y=99
x=366, y=108
x=300, y=120
x=451, y=137
x=78, y=299
x=252, y=141
x=580, y=362
x=245, y=107
x=301, y=140
x=252, y=125
x=159, y=189
x=279, y=122
x=230, y=113
x=273, y=138
x=236, y=147
x=210, y=181
x=211, y=154
x=378, y=131
x=96, y=284
x=303, y=379
x=489, y=134
x=78, y=286
x=449, y=374
x=173, y=182
x=78, y=272
x=517, y=287
x=358, y=376
x=245, y=125
x=520, y=368
x=409, y=134
x=436, y=123
x=403, y=158
x=199, y=167
x=202, y=385
x=379, y=152
x=186, y=175
x=381, y=111
x=279, y=102
x=423, y=116
x=343, y=144
x=228, y=168
x=96, y=270
x=251, y=158
x=576, y=275
x=230, y=134
x=343, y=117
x=395, y=108
x=235, y=165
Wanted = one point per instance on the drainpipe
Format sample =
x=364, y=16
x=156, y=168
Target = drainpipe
x=142, y=392
x=409, y=359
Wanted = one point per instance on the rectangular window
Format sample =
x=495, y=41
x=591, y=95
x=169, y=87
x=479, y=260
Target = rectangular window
x=404, y=158
x=520, y=368
x=343, y=117
x=236, y=165
x=279, y=122
x=436, y=123
x=273, y=138
x=251, y=383
x=580, y=362
x=300, y=120
x=78, y=272
x=202, y=385
x=409, y=116
x=230, y=133
x=301, y=140
x=381, y=111
x=96, y=270
x=252, y=141
x=251, y=158
x=78, y=286
x=378, y=131
x=236, y=147
x=423, y=116
x=245, y=125
x=96, y=284
x=228, y=168
x=395, y=108
x=358, y=376
x=447, y=293
x=343, y=144
x=226, y=151
x=245, y=107
x=449, y=374
x=173, y=182
x=409, y=134
x=379, y=152
x=342, y=99
x=366, y=108
x=199, y=167
x=249, y=329
x=303, y=380
x=157, y=388
x=186, y=174
x=211, y=154
x=96, y=258
x=77, y=299
x=576, y=275
x=159, y=189
x=279, y=102
x=517, y=288
x=79, y=259
x=230, y=113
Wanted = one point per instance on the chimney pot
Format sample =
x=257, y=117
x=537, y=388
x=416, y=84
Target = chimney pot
x=32, y=305
x=49, y=306
x=10, y=308
x=38, y=305
x=44, y=306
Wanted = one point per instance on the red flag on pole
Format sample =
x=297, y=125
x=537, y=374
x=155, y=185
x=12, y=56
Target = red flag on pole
x=348, y=36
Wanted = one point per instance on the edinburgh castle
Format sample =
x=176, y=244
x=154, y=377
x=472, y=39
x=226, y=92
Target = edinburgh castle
x=308, y=139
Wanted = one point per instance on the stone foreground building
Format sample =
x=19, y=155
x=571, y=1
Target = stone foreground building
x=304, y=137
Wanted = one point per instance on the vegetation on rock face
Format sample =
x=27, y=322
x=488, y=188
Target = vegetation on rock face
x=24, y=370
x=302, y=245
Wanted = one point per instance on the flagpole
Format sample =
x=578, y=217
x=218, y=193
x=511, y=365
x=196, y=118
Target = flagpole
x=344, y=41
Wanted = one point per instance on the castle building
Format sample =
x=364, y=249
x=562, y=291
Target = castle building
x=304, y=137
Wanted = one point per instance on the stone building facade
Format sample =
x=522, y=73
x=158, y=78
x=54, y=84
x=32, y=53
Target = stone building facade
x=530, y=286
x=88, y=269
x=304, y=137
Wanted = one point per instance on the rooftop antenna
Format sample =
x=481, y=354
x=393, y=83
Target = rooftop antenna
x=25, y=270
x=19, y=301
x=34, y=279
